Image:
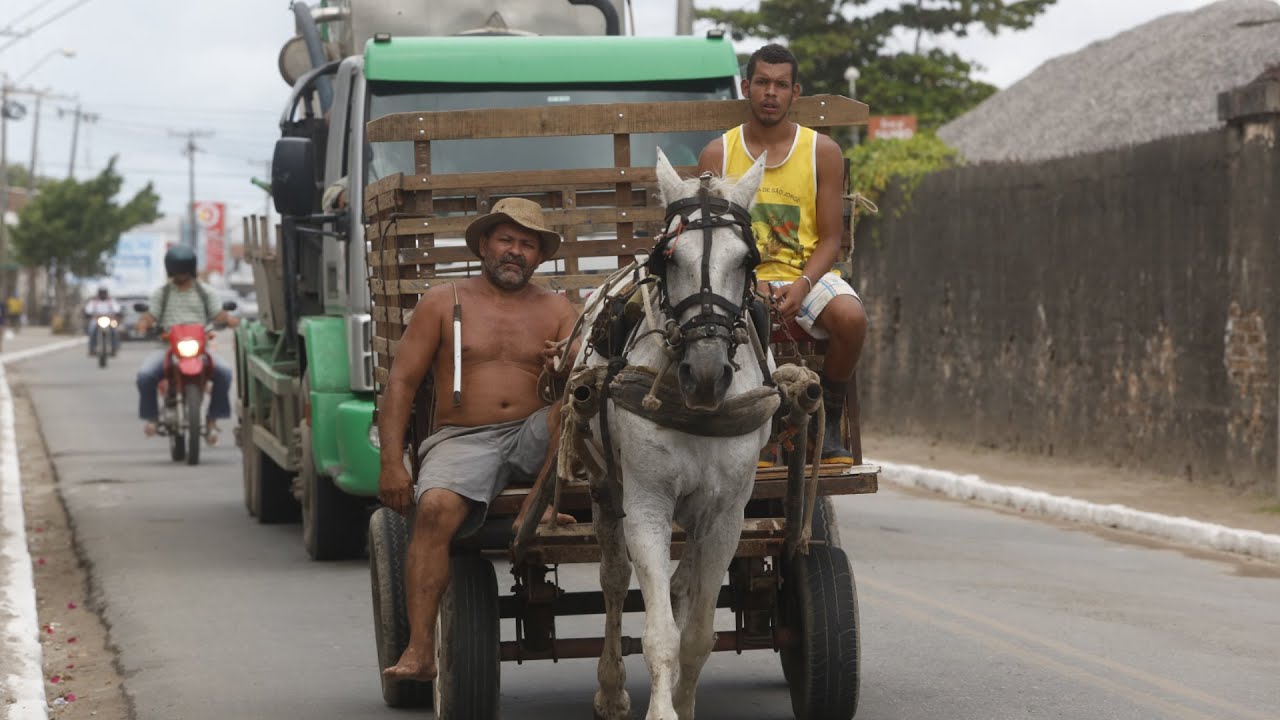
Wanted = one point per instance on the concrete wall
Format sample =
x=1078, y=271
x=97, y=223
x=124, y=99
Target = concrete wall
x=1116, y=307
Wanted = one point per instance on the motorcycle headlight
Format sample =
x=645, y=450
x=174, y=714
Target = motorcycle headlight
x=104, y=321
x=188, y=348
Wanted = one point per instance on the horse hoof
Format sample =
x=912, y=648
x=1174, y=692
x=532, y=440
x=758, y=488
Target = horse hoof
x=614, y=709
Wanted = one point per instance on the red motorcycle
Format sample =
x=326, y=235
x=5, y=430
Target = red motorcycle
x=188, y=372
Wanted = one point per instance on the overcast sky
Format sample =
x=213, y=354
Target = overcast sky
x=150, y=68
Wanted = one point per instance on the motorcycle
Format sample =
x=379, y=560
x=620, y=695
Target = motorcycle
x=105, y=327
x=188, y=371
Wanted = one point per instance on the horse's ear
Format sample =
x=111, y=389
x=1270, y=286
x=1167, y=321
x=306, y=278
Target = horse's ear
x=669, y=182
x=744, y=193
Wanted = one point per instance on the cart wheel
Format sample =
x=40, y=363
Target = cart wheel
x=467, y=642
x=820, y=606
x=388, y=538
x=826, y=529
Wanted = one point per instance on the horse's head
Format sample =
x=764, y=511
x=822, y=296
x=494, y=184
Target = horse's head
x=705, y=262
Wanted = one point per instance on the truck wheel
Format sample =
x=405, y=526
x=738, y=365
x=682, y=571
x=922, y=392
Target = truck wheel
x=248, y=459
x=467, y=642
x=388, y=540
x=271, y=492
x=820, y=608
x=193, y=399
x=333, y=523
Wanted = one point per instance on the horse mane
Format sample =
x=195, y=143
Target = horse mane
x=720, y=188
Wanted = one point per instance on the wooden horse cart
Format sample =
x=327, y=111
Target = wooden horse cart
x=801, y=605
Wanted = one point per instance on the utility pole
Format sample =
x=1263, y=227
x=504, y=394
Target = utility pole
x=4, y=195
x=684, y=17
x=190, y=151
x=77, y=115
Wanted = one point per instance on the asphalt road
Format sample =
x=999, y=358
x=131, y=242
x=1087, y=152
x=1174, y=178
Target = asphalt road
x=966, y=613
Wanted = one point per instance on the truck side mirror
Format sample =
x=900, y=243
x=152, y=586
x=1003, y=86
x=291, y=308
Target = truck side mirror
x=293, y=176
x=229, y=305
x=141, y=307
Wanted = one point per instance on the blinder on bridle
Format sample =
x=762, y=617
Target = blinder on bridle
x=715, y=212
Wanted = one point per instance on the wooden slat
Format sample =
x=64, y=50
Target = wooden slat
x=455, y=226
x=596, y=178
x=602, y=119
x=384, y=206
x=568, y=250
x=552, y=282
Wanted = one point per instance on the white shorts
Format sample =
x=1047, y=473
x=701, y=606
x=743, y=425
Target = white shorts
x=829, y=286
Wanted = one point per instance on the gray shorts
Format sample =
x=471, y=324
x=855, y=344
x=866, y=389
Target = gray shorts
x=479, y=462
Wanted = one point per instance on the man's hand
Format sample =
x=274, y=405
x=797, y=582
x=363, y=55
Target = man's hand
x=394, y=487
x=550, y=352
x=790, y=298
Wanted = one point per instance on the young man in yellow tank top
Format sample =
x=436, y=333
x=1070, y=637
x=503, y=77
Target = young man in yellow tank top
x=798, y=220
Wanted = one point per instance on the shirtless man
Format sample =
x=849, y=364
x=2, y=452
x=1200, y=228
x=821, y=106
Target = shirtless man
x=798, y=220
x=499, y=433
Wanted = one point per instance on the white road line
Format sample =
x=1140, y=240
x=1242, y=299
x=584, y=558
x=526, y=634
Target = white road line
x=1178, y=529
x=24, y=680
x=18, y=355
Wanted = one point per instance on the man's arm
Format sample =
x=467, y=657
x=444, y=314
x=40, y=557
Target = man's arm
x=568, y=318
x=830, y=209
x=711, y=159
x=416, y=353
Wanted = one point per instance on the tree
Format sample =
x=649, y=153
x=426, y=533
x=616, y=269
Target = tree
x=829, y=36
x=74, y=226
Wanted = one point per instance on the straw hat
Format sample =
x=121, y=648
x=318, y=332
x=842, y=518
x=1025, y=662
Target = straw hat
x=525, y=213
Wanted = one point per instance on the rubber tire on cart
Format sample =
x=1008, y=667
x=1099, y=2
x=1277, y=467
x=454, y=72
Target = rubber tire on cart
x=272, y=489
x=388, y=540
x=332, y=521
x=826, y=529
x=193, y=400
x=820, y=606
x=468, y=654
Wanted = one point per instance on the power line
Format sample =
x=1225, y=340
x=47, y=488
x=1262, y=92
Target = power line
x=27, y=33
x=23, y=16
x=190, y=151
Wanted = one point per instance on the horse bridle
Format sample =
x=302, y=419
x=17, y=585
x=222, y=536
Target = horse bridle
x=715, y=212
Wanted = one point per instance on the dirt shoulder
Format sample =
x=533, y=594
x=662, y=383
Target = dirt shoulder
x=1101, y=484
x=80, y=673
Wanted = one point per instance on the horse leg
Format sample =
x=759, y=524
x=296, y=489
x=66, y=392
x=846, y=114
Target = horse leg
x=715, y=547
x=612, y=701
x=648, y=535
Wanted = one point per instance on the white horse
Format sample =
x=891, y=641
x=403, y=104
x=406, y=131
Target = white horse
x=702, y=483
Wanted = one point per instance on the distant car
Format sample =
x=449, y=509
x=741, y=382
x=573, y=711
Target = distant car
x=246, y=303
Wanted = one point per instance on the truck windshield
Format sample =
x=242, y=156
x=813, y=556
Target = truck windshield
x=559, y=153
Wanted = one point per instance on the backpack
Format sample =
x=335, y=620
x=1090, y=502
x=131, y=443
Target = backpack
x=164, y=301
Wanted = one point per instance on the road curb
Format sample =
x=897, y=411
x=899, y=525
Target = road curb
x=24, y=680
x=1178, y=529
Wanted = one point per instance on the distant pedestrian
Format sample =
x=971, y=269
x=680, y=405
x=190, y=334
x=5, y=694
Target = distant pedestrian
x=13, y=313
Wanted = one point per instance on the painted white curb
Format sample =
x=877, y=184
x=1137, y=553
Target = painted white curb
x=18, y=355
x=1179, y=529
x=24, y=681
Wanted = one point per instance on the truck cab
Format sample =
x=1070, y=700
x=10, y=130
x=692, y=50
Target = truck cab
x=307, y=367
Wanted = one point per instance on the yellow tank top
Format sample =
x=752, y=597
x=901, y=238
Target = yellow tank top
x=785, y=216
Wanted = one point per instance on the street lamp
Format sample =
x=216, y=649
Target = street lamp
x=851, y=75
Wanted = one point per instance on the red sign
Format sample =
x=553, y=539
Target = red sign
x=212, y=217
x=892, y=127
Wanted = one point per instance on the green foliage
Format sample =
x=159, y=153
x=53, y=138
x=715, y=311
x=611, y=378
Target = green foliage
x=876, y=165
x=74, y=226
x=828, y=36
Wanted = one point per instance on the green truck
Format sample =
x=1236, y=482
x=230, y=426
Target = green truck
x=305, y=373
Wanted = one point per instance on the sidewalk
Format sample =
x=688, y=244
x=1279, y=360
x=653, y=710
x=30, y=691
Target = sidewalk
x=1153, y=505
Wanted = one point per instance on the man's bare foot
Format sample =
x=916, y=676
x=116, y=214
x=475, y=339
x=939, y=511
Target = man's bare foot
x=411, y=667
x=561, y=518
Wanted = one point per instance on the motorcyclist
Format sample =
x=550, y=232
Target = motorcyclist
x=98, y=306
x=181, y=301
